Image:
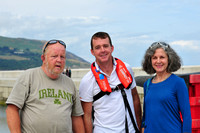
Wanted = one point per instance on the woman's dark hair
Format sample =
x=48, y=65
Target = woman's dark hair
x=174, y=61
x=101, y=35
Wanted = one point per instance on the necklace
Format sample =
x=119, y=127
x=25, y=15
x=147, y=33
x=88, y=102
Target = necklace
x=155, y=80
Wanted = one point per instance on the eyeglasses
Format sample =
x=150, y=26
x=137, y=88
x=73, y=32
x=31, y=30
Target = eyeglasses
x=165, y=45
x=53, y=42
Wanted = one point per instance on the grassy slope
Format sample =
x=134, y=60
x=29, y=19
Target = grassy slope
x=34, y=46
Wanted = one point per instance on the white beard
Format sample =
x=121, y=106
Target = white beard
x=49, y=70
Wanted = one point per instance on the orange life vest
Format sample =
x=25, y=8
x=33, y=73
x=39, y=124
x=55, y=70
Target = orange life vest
x=122, y=73
x=126, y=81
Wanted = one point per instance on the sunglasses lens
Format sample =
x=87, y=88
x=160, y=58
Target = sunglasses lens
x=53, y=42
x=61, y=42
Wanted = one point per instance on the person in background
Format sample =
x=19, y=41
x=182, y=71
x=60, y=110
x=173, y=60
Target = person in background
x=110, y=112
x=70, y=72
x=47, y=100
x=165, y=95
x=67, y=72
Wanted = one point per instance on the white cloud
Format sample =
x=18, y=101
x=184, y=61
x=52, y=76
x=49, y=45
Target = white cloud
x=190, y=44
x=14, y=25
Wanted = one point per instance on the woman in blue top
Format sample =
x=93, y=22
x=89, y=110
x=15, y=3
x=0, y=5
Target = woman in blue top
x=165, y=95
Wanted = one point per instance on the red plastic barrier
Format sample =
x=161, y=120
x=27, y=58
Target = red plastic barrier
x=195, y=125
x=194, y=90
x=194, y=85
x=195, y=78
x=195, y=107
x=194, y=97
x=196, y=130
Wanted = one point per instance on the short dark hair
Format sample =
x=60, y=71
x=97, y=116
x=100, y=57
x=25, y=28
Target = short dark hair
x=101, y=35
x=174, y=61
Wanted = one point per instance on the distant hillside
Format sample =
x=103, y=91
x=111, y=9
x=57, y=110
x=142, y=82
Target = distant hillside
x=21, y=54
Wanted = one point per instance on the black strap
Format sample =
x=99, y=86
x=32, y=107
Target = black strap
x=127, y=106
x=101, y=93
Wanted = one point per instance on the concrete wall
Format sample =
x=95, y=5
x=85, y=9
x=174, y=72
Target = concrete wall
x=8, y=78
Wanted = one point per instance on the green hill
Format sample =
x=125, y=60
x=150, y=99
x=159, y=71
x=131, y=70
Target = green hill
x=21, y=54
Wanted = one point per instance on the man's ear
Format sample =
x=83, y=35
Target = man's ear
x=112, y=48
x=92, y=52
x=42, y=57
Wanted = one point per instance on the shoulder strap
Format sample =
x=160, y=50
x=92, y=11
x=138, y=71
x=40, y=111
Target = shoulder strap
x=127, y=106
x=145, y=92
x=147, y=87
x=101, y=93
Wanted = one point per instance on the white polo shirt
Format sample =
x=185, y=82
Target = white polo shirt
x=109, y=109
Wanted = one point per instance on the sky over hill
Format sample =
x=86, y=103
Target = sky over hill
x=132, y=24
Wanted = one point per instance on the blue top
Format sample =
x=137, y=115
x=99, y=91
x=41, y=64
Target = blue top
x=163, y=103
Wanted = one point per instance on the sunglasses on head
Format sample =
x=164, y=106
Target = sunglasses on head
x=53, y=42
x=159, y=43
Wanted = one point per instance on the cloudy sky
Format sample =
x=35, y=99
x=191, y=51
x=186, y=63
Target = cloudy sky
x=132, y=24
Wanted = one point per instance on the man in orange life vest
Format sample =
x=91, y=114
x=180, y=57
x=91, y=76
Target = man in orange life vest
x=107, y=89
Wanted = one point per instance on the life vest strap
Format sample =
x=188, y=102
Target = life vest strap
x=127, y=106
x=101, y=93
